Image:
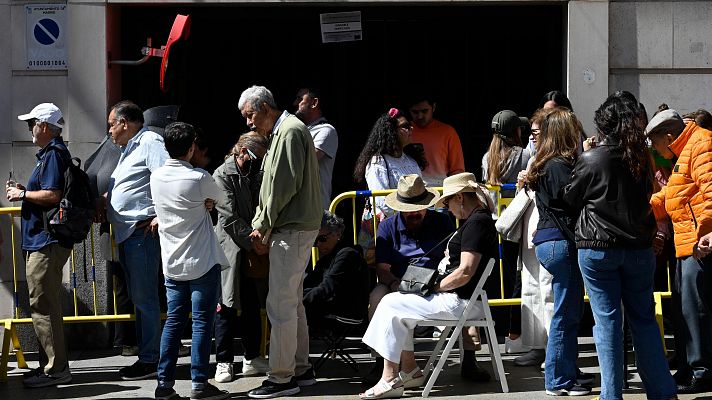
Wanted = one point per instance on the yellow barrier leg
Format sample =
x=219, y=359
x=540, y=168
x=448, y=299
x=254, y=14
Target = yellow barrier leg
x=659, y=316
x=19, y=355
x=5, y=351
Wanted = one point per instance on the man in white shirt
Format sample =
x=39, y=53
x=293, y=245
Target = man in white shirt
x=192, y=260
x=326, y=140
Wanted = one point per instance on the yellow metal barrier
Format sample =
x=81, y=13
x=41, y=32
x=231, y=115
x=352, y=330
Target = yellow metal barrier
x=10, y=333
x=502, y=203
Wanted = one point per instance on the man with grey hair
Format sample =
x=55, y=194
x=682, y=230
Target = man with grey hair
x=287, y=218
x=45, y=255
x=133, y=217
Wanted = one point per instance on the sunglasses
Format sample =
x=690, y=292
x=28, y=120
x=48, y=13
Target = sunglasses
x=31, y=123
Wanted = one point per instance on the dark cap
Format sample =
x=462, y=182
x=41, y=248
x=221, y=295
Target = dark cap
x=506, y=123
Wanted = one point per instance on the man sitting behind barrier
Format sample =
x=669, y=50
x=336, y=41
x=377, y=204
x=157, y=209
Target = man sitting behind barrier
x=338, y=284
x=471, y=247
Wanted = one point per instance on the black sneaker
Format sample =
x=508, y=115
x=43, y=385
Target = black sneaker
x=696, y=385
x=209, y=392
x=575, y=390
x=165, y=394
x=43, y=380
x=270, y=390
x=139, y=370
x=306, y=379
x=33, y=372
x=682, y=377
x=474, y=373
x=584, y=378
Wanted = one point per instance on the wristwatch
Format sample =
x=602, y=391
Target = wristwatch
x=22, y=194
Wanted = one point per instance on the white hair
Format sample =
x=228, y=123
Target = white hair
x=256, y=96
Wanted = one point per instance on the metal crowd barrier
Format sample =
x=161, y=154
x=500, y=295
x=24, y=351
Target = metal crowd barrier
x=10, y=333
x=502, y=203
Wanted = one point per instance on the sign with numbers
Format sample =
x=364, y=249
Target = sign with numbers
x=46, y=33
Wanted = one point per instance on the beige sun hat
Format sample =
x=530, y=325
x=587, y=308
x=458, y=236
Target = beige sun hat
x=412, y=195
x=461, y=183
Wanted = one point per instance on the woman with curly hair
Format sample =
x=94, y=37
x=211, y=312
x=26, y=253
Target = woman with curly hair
x=610, y=189
x=389, y=154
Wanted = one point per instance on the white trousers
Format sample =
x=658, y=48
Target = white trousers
x=537, y=301
x=391, y=329
x=289, y=337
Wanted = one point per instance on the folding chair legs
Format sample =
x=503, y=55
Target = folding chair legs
x=443, y=357
x=495, y=355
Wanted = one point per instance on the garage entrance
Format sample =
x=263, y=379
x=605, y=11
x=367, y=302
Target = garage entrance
x=478, y=59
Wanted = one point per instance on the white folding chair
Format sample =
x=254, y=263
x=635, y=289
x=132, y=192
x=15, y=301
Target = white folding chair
x=479, y=295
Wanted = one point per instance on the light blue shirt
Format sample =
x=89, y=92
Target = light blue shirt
x=130, y=200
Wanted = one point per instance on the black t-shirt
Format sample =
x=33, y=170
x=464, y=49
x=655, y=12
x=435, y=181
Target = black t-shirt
x=478, y=235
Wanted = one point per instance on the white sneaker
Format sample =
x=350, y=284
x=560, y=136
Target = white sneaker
x=513, y=346
x=223, y=372
x=256, y=366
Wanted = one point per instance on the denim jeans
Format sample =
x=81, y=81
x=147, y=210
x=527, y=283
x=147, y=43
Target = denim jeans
x=612, y=276
x=694, y=284
x=559, y=258
x=198, y=296
x=140, y=257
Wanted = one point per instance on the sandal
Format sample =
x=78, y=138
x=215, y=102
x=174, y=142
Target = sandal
x=410, y=380
x=384, y=390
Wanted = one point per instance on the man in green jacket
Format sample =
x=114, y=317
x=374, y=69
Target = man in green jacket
x=287, y=219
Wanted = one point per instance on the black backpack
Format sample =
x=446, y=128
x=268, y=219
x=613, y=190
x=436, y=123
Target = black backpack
x=71, y=220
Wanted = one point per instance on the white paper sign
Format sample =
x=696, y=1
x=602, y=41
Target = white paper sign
x=341, y=27
x=46, y=33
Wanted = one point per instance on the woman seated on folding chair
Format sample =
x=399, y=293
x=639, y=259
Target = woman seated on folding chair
x=390, y=332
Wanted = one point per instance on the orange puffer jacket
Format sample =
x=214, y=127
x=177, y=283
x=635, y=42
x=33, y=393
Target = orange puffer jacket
x=687, y=198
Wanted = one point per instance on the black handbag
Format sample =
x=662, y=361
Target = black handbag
x=420, y=280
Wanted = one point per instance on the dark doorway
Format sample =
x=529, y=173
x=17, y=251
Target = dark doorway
x=479, y=59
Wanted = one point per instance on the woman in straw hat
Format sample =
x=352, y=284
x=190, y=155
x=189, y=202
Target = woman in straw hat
x=473, y=244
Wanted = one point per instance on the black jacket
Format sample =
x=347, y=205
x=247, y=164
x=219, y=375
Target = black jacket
x=614, y=207
x=550, y=197
x=339, y=284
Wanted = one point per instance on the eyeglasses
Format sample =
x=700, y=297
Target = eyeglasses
x=31, y=123
x=536, y=132
x=113, y=124
x=407, y=126
x=251, y=154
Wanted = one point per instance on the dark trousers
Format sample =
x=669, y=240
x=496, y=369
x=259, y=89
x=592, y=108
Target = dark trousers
x=693, y=301
x=250, y=322
x=512, y=283
x=124, y=332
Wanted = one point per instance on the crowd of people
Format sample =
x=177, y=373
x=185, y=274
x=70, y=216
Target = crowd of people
x=222, y=247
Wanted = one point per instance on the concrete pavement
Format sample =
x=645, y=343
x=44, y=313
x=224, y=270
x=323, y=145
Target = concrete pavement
x=95, y=376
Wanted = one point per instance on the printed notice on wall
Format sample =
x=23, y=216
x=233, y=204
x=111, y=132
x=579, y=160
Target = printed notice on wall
x=46, y=32
x=341, y=27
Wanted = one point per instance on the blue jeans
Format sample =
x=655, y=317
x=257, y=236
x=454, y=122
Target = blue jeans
x=202, y=294
x=559, y=258
x=694, y=285
x=140, y=257
x=612, y=276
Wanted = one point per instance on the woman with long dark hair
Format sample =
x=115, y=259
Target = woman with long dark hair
x=610, y=189
x=388, y=154
x=557, y=151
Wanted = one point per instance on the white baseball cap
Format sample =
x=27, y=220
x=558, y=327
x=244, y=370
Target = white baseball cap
x=45, y=112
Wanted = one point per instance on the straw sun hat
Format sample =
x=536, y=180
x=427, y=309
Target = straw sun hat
x=461, y=183
x=412, y=195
